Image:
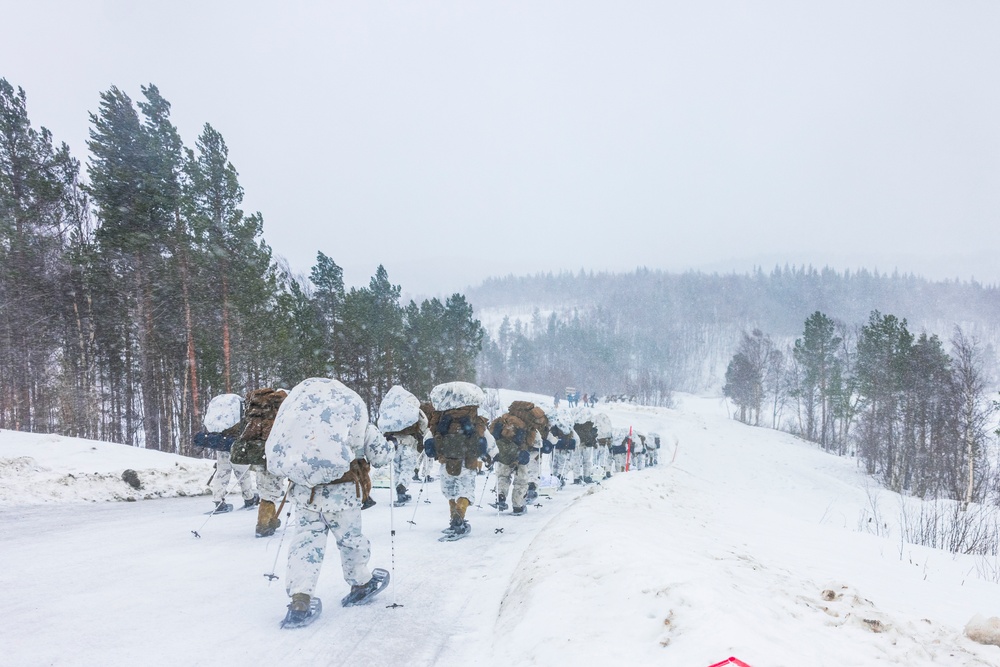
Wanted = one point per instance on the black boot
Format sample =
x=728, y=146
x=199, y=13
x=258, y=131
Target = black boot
x=401, y=495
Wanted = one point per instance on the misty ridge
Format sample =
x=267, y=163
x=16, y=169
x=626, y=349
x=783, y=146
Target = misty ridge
x=648, y=332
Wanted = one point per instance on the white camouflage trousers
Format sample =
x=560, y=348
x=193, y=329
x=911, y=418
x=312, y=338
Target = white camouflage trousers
x=562, y=464
x=269, y=486
x=224, y=469
x=587, y=461
x=334, y=508
x=461, y=486
x=576, y=462
x=520, y=475
x=405, y=461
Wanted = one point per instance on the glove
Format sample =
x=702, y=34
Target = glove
x=524, y=457
x=488, y=461
x=483, y=447
x=444, y=424
x=546, y=447
x=466, y=424
x=519, y=437
x=429, y=450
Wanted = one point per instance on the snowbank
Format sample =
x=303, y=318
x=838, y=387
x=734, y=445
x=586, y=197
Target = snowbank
x=52, y=468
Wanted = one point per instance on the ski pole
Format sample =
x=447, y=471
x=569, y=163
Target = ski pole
x=392, y=526
x=412, y=521
x=272, y=576
x=239, y=480
x=496, y=487
x=489, y=471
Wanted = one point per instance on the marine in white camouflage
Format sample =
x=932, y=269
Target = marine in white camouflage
x=321, y=429
x=458, y=475
x=401, y=421
x=223, y=414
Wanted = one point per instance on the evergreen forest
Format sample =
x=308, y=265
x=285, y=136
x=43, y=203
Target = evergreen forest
x=135, y=289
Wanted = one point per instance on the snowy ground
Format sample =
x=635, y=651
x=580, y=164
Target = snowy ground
x=732, y=550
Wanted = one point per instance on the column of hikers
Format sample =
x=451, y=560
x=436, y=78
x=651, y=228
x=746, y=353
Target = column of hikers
x=313, y=447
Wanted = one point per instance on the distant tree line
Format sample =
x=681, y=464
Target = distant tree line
x=918, y=418
x=646, y=333
x=128, y=299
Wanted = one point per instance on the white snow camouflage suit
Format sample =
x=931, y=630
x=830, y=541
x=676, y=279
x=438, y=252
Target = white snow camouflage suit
x=223, y=414
x=311, y=441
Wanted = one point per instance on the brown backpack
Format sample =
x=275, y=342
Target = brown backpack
x=261, y=409
x=532, y=415
x=456, y=434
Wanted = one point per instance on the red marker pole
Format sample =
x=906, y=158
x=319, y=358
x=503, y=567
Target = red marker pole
x=628, y=450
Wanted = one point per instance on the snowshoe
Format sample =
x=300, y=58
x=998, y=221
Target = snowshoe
x=501, y=503
x=588, y=480
x=367, y=502
x=221, y=507
x=531, y=496
x=301, y=613
x=365, y=592
x=519, y=511
x=250, y=503
x=456, y=533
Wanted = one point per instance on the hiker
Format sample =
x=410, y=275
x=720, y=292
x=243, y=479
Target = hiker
x=261, y=410
x=518, y=434
x=460, y=441
x=586, y=433
x=620, y=450
x=604, y=463
x=564, y=441
x=403, y=423
x=653, y=449
x=323, y=443
x=222, y=425
x=638, y=450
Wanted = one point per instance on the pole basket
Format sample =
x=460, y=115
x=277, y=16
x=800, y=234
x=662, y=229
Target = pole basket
x=730, y=661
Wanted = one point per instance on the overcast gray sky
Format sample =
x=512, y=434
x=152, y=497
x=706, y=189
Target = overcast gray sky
x=451, y=141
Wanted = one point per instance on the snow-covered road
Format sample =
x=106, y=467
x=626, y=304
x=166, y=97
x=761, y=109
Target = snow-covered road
x=749, y=544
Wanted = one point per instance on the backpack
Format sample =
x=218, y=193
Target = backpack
x=512, y=436
x=532, y=415
x=313, y=440
x=565, y=440
x=457, y=433
x=399, y=413
x=222, y=423
x=261, y=410
x=588, y=434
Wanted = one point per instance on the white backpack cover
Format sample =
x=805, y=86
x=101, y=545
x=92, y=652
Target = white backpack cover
x=603, y=424
x=223, y=412
x=451, y=395
x=318, y=430
x=399, y=410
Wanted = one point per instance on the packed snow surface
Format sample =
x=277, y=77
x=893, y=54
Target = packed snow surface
x=743, y=542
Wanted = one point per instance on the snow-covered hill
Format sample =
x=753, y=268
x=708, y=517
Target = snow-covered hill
x=747, y=545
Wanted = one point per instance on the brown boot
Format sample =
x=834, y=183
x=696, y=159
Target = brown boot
x=461, y=505
x=300, y=601
x=267, y=520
